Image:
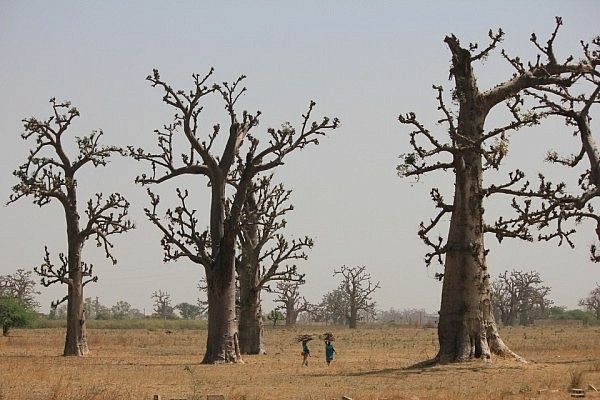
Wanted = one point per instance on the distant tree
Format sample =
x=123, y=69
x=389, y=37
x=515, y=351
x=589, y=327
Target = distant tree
x=13, y=313
x=275, y=316
x=407, y=316
x=592, y=302
x=467, y=328
x=58, y=313
x=288, y=295
x=162, y=304
x=201, y=301
x=135, y=313
x=88, y=309
x=96, y=310
x=264, y=255
x=215, y=248
x=357, y=288
x=49, y=173
x=21, y=287
x=562, y=313
x=187, y=310
x=121, y=310
x=520, y=297
x=333, y=308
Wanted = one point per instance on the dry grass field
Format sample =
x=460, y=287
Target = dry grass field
x=371, y=364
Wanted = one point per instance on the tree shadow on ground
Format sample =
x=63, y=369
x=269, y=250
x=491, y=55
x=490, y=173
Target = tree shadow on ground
x=427, y=368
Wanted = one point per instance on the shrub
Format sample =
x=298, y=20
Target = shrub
x=13, y=313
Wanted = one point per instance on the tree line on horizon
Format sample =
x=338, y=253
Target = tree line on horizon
x=520, y=298
x=240, y=243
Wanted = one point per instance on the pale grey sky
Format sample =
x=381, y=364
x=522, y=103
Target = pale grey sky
x=364, y=62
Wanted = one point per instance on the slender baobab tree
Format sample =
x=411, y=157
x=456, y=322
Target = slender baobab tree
x=215, y=248
x=467, y=328
x=356, y=288
x=592, y=301
x=48, y=174
x=264, y=255
x=288, y=294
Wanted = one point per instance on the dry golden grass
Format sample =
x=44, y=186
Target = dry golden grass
x=371, y=364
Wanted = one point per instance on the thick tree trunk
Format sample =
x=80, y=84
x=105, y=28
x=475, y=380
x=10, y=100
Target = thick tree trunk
x=353, y=318
x=291, y=315
x=222, y=343
x=5, y=329
x=467, y=328
x=251, y=325
x=76, y=338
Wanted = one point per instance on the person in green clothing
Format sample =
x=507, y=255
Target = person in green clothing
x=305, y=353
x=329, y=352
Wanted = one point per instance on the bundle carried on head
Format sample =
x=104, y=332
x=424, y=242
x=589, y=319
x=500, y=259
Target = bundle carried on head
x=327, y=336
x=304, y=338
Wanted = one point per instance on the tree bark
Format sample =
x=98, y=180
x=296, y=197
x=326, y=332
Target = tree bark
x=222, y=343
x=248, y=269
x=76, y=337
x=5, y=329
x=251, y=325
x=353, y=317
x=467, y=328
x=291, y=315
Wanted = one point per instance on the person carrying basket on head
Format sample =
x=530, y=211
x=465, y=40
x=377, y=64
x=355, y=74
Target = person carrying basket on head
x=305, y=352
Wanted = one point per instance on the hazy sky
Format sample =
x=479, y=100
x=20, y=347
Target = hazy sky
x=364, y=62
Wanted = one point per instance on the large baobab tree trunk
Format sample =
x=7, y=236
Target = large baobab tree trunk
x=76, y=338
x=291, y=315
x=353, y=317
x=251, y=325
x=222, y=343
x=467, y=328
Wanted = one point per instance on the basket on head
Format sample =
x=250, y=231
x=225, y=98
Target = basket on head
x=304, y=338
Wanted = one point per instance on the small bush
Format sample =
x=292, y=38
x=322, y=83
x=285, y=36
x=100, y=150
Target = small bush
x=14, y=314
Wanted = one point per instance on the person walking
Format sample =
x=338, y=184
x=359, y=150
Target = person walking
x=305, y=353
x=329, y=352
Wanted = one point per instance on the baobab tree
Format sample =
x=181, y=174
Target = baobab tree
x=48, y=174
x=520, y=297
x=356, y=289
x=592, y=302
x=288, y=294
x=264, y=255
x=162, y=304
x=20, y=286
x=215, y=248
x=467, y=328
